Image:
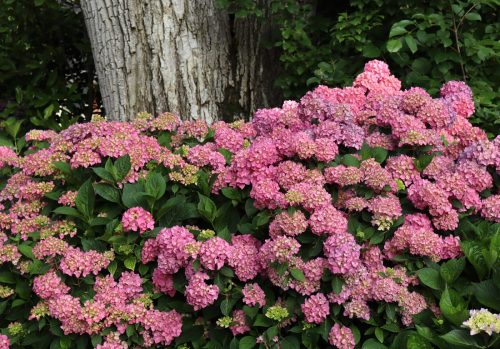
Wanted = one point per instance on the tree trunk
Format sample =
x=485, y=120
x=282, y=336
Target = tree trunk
x=184, y=56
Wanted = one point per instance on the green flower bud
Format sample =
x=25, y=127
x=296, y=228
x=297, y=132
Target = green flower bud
x=225, y=321
x=277, y=312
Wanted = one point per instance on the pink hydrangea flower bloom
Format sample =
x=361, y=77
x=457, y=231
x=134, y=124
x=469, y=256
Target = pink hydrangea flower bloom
x=254, y=295
x=316, y=308
x=240, y=325
x=137, y=219
x=4, y=342
x=341, y=337
x=214, y=253
x=200, y=294
x=342, y=253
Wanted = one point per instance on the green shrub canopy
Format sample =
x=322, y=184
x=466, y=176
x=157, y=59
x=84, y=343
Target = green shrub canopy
x=365, y=216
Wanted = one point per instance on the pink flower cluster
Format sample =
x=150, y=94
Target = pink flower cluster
x=78, y=263
x=417, y=236
x=8, y=252
x=341, y=337
x=4, y=342
x=316, y=308
x=199, y=294
x=254, y=295
x=137, y=219
x=117, y=304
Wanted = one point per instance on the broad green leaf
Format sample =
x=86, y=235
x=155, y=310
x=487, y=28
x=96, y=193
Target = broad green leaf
x=412, y=44
x=7, y=277
x=130, y=263
x=473, y=16
x=235, y=343
x=262, y=321
x=112, y=267
x=453, y=307
x=226, y=271
x=133, y=195
x=297, y=274
x=171, y=203
x=397, y=31
x=203, y=182
x=68, y=211
x=250, y=209
x=62, y=166
x=207, y=208
x=394, y=45
x=371, y=51
x=108, y=192
x=451, y=269
x=495, y=243
x=96, y=340
x=430, y=277
x=416, y=341
x=103, y=173
x=226, y=306
x=379, y=154
x=473, y=252
x=250, y=311
x=85, y=199
x=423, y=161
x=26, y=250
x=488, y=294
x=290, y=342
x=421, y=65
x=65, y=342
x=261, y=219
x=49, y=110
x=227, y=155
x=373, y=344
x=155, y=185
x=461, y=337
x=337, y=284
x=231, y=193
x=122, y=166
x=350, y=160
x=247, y=342
x=12, y=126
x=19, y=95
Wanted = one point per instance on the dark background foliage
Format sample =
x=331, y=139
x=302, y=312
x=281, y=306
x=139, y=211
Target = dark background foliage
x=47, y=77
x=425, y=43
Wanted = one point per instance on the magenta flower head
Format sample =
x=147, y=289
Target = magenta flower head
x=341, y=337
x=137, y=219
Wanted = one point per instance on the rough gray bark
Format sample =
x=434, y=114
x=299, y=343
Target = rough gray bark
x=184, y=56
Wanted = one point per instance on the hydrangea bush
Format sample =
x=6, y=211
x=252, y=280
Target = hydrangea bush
x=362, y=217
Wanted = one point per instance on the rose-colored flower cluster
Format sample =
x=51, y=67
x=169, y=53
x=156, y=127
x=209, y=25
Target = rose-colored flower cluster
x=316, y=308
x=137, y=219
x=117, y=304
x=4, y=342
x=417, y=236
x=341, y=337
x=254, y=295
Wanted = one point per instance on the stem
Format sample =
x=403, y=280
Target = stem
x=457, y=43
x=465, y=14
x=494, y=341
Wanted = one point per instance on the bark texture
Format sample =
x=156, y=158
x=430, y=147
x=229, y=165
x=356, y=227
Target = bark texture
x=184, y=56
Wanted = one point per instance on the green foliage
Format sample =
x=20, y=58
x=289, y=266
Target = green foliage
x=426, y=42
x=47, y=77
